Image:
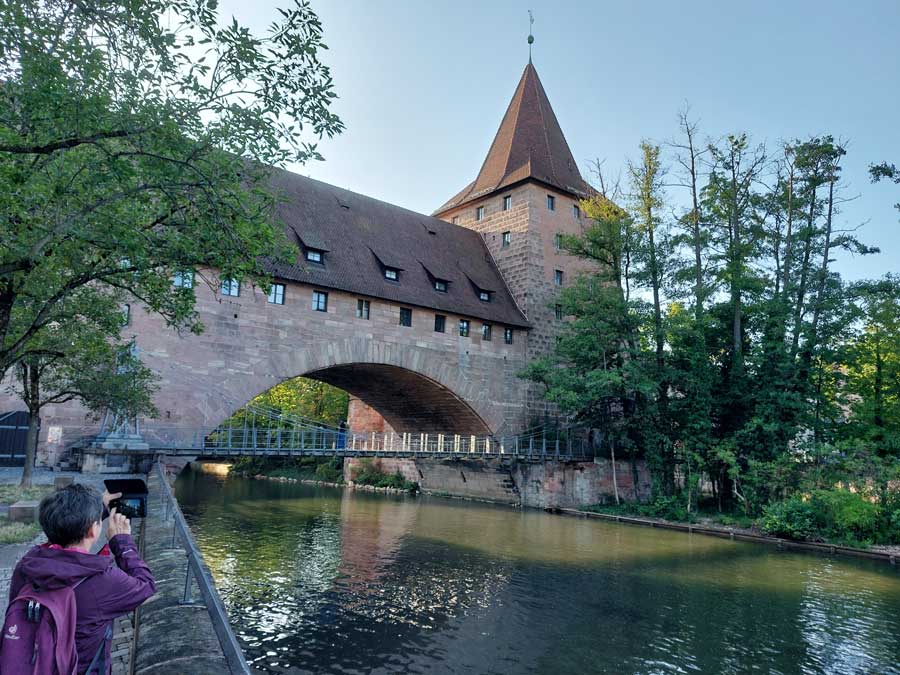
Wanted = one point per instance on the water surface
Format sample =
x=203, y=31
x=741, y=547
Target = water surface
x=322, y=580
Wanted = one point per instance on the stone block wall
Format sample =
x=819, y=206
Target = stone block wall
x=250, y=345
x=530, y=260
x=541, y=485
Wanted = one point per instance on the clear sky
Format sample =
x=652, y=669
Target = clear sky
x=423, y=87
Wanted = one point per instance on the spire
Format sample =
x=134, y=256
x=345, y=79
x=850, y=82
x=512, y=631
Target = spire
x=530, y=36
x=529, y=145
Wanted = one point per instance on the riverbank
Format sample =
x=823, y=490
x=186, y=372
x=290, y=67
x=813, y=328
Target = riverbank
x=889, y=554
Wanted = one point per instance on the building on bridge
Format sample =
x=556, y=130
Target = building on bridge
x=425, y=320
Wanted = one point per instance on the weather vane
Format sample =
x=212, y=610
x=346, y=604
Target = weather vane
x=530, y=36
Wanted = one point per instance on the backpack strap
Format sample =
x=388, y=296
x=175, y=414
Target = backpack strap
x=101, y=654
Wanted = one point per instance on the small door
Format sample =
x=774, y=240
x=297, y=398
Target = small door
x=13, y=434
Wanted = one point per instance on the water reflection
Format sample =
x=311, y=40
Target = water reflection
x=321, y=580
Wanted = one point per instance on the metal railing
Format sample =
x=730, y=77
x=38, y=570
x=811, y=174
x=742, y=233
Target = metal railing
x=228, y=440
x=197, y=570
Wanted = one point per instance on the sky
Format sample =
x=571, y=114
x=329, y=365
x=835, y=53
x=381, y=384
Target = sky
x=423, y=86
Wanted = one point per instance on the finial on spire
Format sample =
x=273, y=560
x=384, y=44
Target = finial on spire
x=530, y=36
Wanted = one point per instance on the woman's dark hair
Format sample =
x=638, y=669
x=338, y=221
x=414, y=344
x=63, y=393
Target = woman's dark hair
x=67, y=515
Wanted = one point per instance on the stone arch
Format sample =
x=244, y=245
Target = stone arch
x=414, y=388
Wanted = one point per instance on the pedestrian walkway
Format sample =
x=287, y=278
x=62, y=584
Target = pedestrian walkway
x=10, y=554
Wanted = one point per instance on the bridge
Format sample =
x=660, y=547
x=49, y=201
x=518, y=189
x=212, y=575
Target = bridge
x=260, y=431
x=426, y=321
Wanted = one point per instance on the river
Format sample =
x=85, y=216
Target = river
x=323, y=580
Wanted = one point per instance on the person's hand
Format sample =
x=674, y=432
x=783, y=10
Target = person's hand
x=107, y=497
x=118, y=524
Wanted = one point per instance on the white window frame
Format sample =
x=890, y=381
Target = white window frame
x=507, y=335
x=392, y=274
x=479, y=213
x=507, y=202
x=276, y=294
x=314, y=255
x=363, y=309
x=505, y=239
x=487, y=332
x=484, y=296
x=320, y=306
x=183, y=279
x=231, y=288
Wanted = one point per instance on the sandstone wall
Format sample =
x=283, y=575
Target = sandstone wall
x=412, y=375
x=540, y=485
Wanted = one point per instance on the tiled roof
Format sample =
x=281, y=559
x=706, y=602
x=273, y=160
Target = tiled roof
x=362, y=235
x=529, y=145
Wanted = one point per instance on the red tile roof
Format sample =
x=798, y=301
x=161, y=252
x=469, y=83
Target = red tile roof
x=529, y=145
x=361, y=235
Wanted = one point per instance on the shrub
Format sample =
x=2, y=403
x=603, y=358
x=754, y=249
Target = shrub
x=845, y=516
x=331, y=471
x=792, y=518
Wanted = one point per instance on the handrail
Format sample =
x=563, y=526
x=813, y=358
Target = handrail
x=231, y=649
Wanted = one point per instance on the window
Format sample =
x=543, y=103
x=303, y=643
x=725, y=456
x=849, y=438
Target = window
x=183, y=279
x=559, y=314
x=314, y=255
x=486, y=331
x=479, y=213
x=320, y=301
x=508, y=335
x=362, y=309
x=576, y=211
x=551, y=203
x=557, y=242
x=276, y=294
x=464, y=328
x=505, y=238
x=455, y=220
x=231, y=287
x=391, y=273
x=507, y=202
x=405, y=317
x=126, y=315
x=484, y=296
x=558, y=277
x=440, y=285
x=440, y=323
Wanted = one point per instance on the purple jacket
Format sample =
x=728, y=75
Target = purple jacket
x=107, y=592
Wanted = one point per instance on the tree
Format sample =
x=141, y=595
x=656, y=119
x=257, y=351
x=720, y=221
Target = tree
x=135, y=139
x=78, y=363
x=307, y=398
x=885, y=171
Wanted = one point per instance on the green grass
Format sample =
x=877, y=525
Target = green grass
x=10, y=494
x=17, y=533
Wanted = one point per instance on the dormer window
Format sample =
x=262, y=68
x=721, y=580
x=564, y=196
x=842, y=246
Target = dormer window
x=315, y=255
x=440, y=285
x=391, y=274
x=484, y=296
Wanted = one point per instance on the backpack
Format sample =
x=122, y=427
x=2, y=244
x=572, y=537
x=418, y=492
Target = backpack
x=39, y=634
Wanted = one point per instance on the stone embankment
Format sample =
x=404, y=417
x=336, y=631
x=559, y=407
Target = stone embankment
x=172, y=637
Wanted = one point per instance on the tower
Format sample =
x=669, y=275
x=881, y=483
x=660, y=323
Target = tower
x=526, y=194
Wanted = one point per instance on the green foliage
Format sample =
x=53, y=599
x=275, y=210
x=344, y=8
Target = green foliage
x=134, y=143
x=837, y=515
x=307, y=398
x=368, y=474
x=722, y=348
x=330, y=470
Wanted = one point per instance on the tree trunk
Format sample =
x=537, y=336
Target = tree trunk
x=31, y=390
x=612, y=455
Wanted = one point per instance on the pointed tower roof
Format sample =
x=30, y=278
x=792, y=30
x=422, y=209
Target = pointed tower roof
x=529, y=145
